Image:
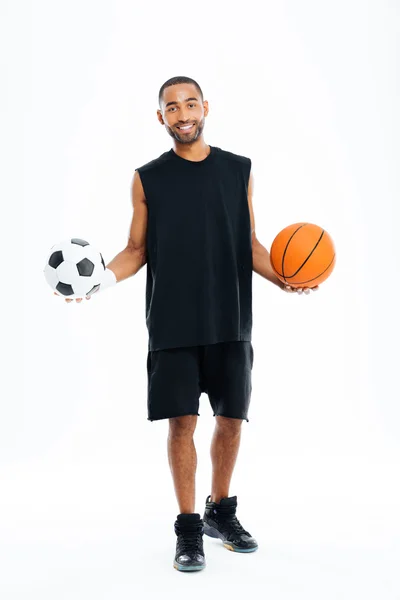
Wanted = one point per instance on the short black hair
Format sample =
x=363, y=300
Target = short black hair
x=174, y=81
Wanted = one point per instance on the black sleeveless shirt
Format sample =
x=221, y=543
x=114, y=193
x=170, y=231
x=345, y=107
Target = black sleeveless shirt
x=199, y=252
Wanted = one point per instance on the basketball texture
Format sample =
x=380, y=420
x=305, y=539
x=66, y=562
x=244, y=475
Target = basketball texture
x=303, y=255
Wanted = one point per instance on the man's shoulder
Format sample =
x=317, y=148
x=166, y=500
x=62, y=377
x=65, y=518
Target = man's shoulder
x=155, y=163
x=232, y=156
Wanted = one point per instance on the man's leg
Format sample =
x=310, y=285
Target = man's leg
x=224, y=449
x=182, y=460
x=220, y=520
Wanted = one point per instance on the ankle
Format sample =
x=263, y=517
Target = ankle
x=217, y=497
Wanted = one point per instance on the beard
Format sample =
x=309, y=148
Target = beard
x=187, y=138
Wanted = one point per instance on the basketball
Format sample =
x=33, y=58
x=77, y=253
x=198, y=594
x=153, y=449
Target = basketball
x=303, y=255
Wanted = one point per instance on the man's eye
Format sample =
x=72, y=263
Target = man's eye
x=192, y=104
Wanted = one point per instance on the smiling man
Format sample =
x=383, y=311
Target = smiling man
x=193, y=225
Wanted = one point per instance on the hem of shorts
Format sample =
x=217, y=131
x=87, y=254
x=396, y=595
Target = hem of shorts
x=230, y=417
x=172, y=416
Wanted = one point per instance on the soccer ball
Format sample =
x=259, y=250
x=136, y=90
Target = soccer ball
x=74, y=268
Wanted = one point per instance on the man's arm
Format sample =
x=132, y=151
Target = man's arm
x=261, y=257
x=133, y=257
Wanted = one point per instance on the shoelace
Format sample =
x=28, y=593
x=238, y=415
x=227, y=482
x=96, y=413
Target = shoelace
x=227, y=515
x=189, y=539
x=235, y=525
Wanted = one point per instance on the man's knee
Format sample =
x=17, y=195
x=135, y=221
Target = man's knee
x=183, y=425
x=228, y=424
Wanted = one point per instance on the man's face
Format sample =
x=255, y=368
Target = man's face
x=181, y=105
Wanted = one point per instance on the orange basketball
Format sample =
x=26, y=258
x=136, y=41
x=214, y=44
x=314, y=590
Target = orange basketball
x=303, y=255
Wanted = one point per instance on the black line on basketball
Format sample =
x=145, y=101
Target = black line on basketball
x=316, y=277
x=284, y=252
x=301, y=266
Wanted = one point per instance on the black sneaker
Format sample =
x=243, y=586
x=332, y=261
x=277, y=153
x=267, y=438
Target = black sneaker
x=189, y=529
x=220, y=521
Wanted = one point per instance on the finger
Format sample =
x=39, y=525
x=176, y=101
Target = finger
x=307, y=291
x=79, y=299
x=314, y=289
x=68, y=300
x=299, y=290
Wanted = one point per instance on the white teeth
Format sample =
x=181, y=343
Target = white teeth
x=187, y=127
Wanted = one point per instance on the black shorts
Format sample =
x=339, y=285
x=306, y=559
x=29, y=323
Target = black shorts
x=178, y=376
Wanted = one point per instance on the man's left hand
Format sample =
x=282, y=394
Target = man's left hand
x=306, y=290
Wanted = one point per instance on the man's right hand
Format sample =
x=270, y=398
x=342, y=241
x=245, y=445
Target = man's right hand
x=71, y=299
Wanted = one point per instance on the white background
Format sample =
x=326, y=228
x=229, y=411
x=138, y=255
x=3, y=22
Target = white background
x=310, y=92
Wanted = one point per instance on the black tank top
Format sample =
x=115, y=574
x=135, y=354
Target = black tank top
x=199, y=253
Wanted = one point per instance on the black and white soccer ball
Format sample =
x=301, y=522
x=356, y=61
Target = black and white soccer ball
x=74, y=268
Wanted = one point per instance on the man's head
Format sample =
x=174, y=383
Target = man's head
x=181, y=103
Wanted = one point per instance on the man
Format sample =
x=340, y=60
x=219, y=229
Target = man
x=193, y=225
